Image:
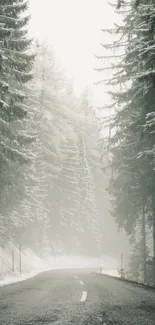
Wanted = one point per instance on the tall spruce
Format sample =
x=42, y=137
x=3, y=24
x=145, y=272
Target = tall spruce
x=15, y=71
x=132, y=146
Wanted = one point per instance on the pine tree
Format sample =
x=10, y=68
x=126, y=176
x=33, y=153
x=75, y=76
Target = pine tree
x=16, y=60
x=132, y=145
x=15, y=70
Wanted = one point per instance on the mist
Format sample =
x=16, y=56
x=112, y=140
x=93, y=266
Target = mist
x=77, y=162
x=54, y=194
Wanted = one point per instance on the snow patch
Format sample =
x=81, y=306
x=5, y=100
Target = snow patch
x=108, y=266
x=16, y=278
x=113, y=272
x=32, y=264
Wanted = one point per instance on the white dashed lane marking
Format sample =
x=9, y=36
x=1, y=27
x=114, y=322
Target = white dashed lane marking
x=81, y=283
x=84, y=293
x=84, y=296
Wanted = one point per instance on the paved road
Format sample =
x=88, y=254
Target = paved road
x=76, y=298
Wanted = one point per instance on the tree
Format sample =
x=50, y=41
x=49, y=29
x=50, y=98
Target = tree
x=15, y=69
x=132, y=145
x=63, y=129
x=47, y=154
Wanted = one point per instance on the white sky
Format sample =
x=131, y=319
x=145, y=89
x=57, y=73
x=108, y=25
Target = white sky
x=73, y=28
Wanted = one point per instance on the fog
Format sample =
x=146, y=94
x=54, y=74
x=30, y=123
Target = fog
x=54, y=193
x=77, y=162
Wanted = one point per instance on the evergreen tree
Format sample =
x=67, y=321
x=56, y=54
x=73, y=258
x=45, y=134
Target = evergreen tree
x=15, y=70
x=132, y=145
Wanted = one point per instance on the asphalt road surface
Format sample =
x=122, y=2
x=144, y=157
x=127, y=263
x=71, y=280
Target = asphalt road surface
x=78, y=298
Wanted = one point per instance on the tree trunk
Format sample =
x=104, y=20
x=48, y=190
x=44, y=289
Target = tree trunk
x=153, y=223
x=154, y=249
x=144, y=243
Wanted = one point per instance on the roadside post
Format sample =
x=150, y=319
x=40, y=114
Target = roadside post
x=122, y=267
x=13, y=261
x=20, y=259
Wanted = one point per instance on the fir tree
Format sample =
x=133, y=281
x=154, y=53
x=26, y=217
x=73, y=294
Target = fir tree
x=132, y=145
x=15, y=70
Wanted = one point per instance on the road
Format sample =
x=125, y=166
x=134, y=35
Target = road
x=76, y=297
